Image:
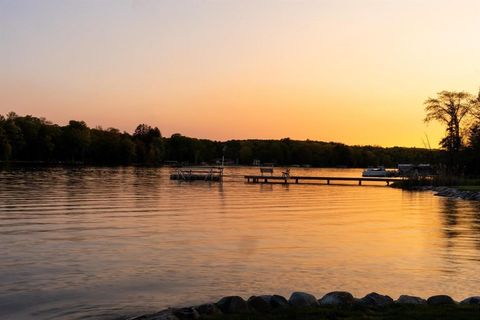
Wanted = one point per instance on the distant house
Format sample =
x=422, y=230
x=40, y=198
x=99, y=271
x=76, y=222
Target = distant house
x=256, y=162
x=411, y=170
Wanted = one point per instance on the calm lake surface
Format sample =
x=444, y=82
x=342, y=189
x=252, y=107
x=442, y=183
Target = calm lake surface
x=103, y=242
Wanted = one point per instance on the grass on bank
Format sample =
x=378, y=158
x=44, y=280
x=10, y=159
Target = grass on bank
x=394, y=312
x=468, y=188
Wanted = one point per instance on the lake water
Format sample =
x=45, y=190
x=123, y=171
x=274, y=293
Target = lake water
x=103, y=242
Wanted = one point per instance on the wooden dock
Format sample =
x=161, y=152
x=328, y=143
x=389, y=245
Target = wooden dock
x=327, y=180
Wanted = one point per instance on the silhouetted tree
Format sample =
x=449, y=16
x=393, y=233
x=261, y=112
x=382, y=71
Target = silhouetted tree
x=451, y=109
x=76, y=138
x=246, y=153
x=14, y=135
x=150, y=148
x=5, y=147
x=475, y=103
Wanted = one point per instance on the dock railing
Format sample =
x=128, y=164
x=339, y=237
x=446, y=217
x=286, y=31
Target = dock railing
x=198, y=173
x=265, y=170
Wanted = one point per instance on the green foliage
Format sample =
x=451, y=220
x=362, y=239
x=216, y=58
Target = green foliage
x=472, y=188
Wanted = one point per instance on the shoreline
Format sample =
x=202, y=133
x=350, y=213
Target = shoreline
x=333, y=305
x=456, y=193
x=448, y=192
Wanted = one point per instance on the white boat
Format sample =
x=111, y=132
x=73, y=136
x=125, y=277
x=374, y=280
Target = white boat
x=375, y=172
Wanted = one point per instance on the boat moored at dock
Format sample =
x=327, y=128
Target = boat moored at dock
x=375, y=172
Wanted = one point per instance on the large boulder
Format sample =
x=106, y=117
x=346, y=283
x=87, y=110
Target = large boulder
x=440, y=299
x=260, y=303
x=405, y=299
x=337, y=298
x=302, y=299
x=208, y=309
x=162, y=315
x=186, y=313
x=376, y=300
x=267, y=303
x=278, y=302
x=471, y=300
x=232, y=304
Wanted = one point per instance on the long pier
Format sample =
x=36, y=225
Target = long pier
x=327, y=180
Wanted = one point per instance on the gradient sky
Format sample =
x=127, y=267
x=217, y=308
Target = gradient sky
x=353, y=71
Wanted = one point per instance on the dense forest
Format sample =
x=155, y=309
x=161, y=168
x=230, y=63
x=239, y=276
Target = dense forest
x=32, y=139
x=26, y=139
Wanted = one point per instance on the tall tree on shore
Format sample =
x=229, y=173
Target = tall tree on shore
x=149, y=144
x=476, y=107
x=5, y=147
x=76, y=138
x=451, y=109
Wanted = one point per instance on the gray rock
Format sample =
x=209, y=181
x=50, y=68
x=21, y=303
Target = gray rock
x=375, y=299
x=405, y=299
x=279, y=302
x=471, y=300
x=232, y=304
x=454, y=193
x=260, y=303
x=450, y=192
x=302, y=299
x=440, y=299
x=186, y=313
x=337, y=298
x=162, y=315
x=208, y=309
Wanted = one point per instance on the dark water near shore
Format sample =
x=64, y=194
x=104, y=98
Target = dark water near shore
x=102, y=242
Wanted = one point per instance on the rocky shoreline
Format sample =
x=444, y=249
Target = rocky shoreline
x=453, y=193
x=268, y=305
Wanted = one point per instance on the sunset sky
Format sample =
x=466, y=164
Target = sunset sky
x=353, y=71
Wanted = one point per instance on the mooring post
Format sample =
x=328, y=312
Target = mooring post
x=359, y=182
x=328, y=181
x=296, y=181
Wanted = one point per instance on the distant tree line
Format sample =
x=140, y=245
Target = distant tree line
x=459, y=112
x=29, y=139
